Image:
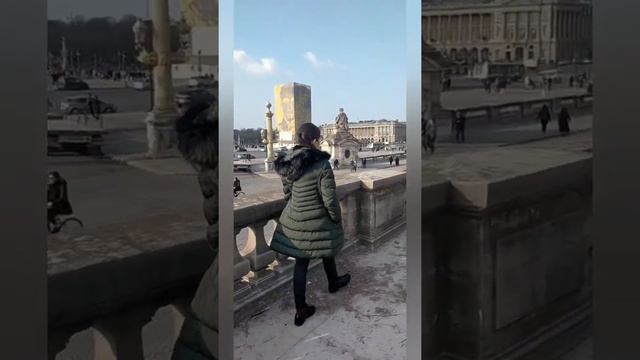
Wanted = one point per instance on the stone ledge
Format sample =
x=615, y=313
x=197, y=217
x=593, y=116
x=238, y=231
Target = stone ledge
x=124, y=266
x=485, y=179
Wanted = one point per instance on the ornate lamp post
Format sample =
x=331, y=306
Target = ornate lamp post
x=268, y=139
x=157, y=54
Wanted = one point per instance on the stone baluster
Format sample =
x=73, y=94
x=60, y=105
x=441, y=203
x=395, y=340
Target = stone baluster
x=120, y=337
x=259, y=255
x=241, y=265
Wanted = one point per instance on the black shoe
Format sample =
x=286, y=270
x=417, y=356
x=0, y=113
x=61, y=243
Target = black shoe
x=303, y=314
x=341, y=282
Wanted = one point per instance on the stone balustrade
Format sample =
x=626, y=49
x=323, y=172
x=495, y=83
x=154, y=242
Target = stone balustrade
x=114, y=286
x=520, y=109
x=372, y=205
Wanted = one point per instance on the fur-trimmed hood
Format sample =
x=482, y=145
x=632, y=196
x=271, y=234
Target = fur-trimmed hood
x=293, y=165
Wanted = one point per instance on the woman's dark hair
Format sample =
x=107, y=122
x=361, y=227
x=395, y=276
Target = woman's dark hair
x=197, y=133
x=55, y=174
x=307, y=133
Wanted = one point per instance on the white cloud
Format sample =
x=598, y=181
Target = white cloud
x=263, y=67
x=315, y=62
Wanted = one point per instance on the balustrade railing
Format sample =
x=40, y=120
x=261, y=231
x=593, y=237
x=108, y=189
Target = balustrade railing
x=115, y=291
x=520, y=109
x=111, y=293
x=371, y=209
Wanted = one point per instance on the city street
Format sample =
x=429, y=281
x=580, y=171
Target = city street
x=126, y=100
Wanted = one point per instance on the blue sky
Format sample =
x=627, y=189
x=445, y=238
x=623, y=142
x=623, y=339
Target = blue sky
x=351, y=53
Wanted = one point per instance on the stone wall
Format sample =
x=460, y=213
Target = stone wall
x=506, y=256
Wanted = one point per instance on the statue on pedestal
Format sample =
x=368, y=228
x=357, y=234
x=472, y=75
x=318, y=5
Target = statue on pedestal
x=342, y=121
x=341, y=144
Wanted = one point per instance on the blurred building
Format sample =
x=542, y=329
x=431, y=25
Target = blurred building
x=373, y=131
x=531, y=32
x=201, y=18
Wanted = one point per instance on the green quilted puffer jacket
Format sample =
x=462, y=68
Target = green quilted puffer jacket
x=310, y=225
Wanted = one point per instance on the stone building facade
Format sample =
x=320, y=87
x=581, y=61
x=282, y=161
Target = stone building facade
x=373, y=131
x=532, y=32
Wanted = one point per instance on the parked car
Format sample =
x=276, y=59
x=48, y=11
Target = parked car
x=141, y=84
x=73, y=84
x=244, y=156
x=187, y=97
x=79, y=104
x=203, y=82
x=68, y=136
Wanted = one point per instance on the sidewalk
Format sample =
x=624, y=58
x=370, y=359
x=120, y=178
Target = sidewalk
x=365, y=320
x=584, y=351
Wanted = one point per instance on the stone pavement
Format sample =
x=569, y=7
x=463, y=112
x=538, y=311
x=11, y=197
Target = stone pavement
x=584, y=351
x=364, y=321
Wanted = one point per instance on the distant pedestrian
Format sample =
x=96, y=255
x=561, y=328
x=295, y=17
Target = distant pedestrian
x=544, y=116
x=397, y=160
x=430, y=133
x=336, y=163
x=571, y=80
x=364, y=163
x=502, y=83
x=563, y=121
x=549, y=83
x=354, y=166
x=57, y=200
x=237, y=188
x=390, y=160
x=460, y=123
x=94, y=106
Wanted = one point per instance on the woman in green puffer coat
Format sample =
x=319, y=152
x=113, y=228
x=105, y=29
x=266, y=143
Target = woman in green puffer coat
x=310, y=226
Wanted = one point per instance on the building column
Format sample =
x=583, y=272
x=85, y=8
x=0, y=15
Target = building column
x=460, y=38
x=446, y=29
x=427, y=29
x=481, y=26
x=470, y=28
x=553, y=23
x=161, y=118
x=571, y=23
x=559, y=24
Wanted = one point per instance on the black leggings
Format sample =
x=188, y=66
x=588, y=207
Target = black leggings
x=300, y=278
